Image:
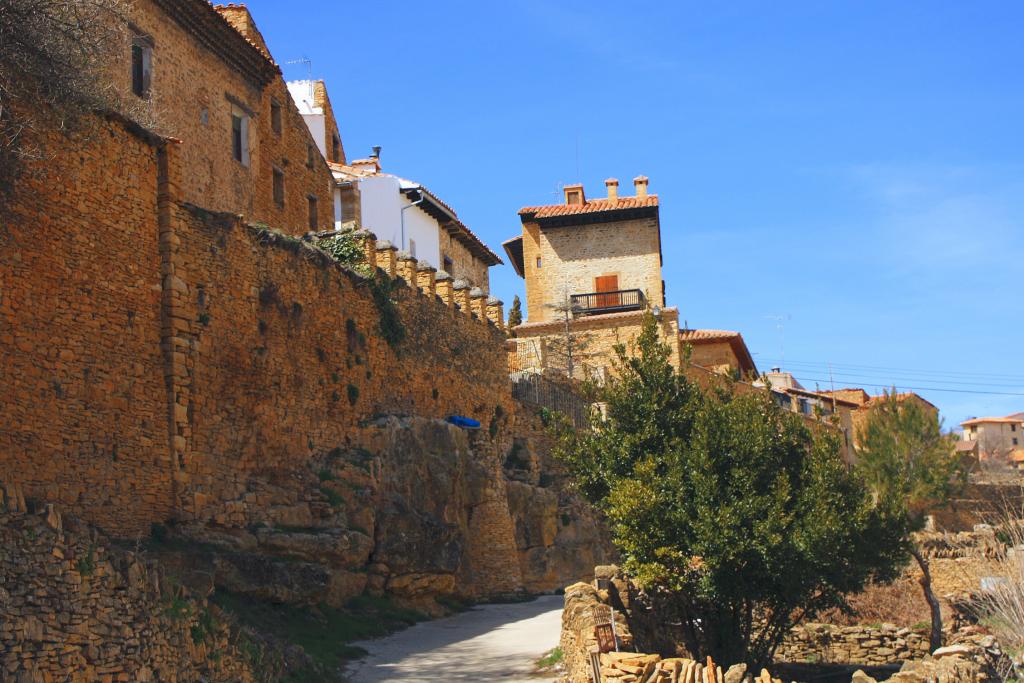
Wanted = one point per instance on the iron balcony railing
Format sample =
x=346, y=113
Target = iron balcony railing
x=608, y=302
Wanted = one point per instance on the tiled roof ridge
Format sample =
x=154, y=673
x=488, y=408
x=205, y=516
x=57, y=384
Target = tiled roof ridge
x=707, y=334
x=241, y=5
x=603, y=204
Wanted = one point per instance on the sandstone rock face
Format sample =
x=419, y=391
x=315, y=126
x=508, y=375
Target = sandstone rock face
x=73, y=609
x=414, y=508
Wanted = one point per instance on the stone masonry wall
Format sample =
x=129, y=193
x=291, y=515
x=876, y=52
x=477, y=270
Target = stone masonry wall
x=83, y=416
x=153, y=353
x=571, y=257
x=284, y=357
x=79, y=611
x=867, y=645
x=193, y=91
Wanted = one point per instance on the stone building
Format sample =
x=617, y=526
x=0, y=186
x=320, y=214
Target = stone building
x=721, y=351
x=598, y=262
x=863, y=403
x=205, y=77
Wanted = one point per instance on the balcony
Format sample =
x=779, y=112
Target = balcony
x=617, y=301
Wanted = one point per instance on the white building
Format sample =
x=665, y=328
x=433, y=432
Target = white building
x=412, y=218
x=997, y=437
x=396, y=210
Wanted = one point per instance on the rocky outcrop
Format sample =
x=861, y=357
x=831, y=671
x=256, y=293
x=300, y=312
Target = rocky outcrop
x=560, y=538
x=74, y=609
x=414, y=508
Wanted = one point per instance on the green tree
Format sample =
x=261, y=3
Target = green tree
x=910, y=467
x=515, y=314
x=741, y=518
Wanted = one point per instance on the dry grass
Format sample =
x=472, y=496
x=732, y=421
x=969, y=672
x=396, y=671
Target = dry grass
x=900, y=602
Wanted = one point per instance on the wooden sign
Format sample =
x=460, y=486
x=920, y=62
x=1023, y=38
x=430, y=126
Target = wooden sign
x=605, y=635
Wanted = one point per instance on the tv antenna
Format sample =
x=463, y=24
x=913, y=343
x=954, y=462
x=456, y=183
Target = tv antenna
x=309, y=67
x=780, y=325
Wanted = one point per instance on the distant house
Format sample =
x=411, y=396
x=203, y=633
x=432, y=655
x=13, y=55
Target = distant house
x=865, y=401
x=721, y=351
x=790, y=395
x=996, y=437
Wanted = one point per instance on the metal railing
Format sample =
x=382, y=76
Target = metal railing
x=594, y=303
x=541, y=391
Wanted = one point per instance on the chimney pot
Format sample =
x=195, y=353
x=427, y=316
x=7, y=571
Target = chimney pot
x=640, y=183
x=574, y=195
x=613, y=188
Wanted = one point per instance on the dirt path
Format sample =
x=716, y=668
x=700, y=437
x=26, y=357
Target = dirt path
x=487, y=643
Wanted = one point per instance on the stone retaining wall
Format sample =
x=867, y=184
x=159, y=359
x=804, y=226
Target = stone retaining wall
x=867, y=645
x=75, y=610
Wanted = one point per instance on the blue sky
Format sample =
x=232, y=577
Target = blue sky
x=851, y=173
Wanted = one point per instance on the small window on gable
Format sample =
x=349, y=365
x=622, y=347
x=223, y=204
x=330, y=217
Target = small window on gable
x=278, y=187
x=313, y=219
x=310, y=155
x=335, y=149
x=240, y=135
x=275, y=116
x=538, y=261
x=142, y=65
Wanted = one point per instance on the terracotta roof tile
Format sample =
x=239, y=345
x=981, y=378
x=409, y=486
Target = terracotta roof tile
x=591, y=206
x=985, y=420
x=707, y=335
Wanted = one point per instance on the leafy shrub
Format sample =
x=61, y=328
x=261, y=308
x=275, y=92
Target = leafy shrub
x=347, y=249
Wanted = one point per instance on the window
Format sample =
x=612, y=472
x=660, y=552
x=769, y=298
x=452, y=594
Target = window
x=447, y=263
x=335, y=149
x=574, y=197
x=313, y=220
x=412, y=247
x=275, y=116
x=279, y=187
x=310, y=155
x=1013, y=428
x=142, y=65
x=538, y=261
x=240, y=135
x=805, y=406
x=1014, y=441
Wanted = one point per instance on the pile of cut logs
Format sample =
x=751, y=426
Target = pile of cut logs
x=632, y=667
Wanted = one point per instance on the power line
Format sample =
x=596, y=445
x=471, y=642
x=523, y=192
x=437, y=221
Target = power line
x=850, y=366
x=857, y=376
x=954, y=391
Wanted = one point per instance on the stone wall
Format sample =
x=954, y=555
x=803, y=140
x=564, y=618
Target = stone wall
x=464, y=263
x=169, y=365
x=866, y=645
x=83, y=421
x=79, y=611
x=155, y=353
x=283, y=356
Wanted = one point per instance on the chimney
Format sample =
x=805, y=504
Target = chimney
x=574, y=195
x=640, y=183
x=613, y=188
